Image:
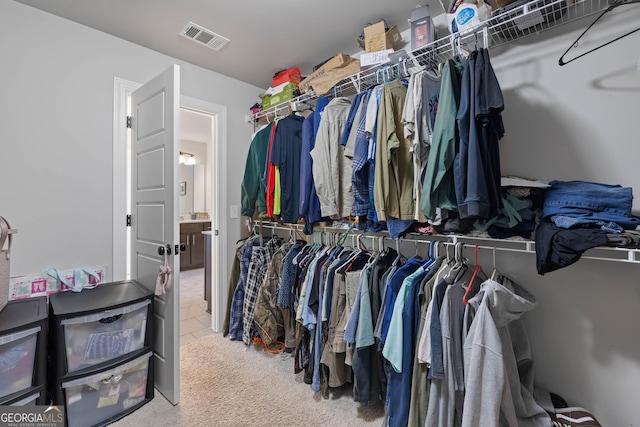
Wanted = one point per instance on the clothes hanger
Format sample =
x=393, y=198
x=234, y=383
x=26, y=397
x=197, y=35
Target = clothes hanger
x=495, y=273
x=460, y=263
x=476, y=270
x=399, y=257
x=613, y=5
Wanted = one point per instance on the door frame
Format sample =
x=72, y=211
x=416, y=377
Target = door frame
x=218, y=191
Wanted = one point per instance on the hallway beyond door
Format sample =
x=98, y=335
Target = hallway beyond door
x=195, y=322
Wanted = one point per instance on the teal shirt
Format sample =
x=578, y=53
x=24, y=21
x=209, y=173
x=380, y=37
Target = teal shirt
x=437, y=187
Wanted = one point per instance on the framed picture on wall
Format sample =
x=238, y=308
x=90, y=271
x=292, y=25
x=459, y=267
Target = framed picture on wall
x=183, y=188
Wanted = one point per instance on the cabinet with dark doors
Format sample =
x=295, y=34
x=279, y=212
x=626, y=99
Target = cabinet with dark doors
x=193, y=240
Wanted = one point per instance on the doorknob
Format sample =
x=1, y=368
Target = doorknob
x=181, y=248
x=161, y=250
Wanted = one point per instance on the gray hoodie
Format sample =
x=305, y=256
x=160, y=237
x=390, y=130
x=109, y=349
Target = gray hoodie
x=497, y=360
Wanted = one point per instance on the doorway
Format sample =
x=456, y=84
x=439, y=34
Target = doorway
x=215, y=189
x=196, y=134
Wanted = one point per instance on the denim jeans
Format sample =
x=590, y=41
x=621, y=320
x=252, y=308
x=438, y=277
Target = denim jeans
x=572, y=204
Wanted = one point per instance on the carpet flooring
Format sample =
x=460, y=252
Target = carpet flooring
x=225, y=383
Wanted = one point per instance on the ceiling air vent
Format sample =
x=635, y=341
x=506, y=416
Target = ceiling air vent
x=204, y=36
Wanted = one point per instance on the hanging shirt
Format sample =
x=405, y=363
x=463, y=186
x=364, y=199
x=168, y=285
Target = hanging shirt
x=309, y=202
x=253, y=191
x=269, y=179
x=438, y=189
x=419, y=118
x=360, y=174
x=331, y=169
x=477, y=164
x=393, y=346
x=287, y=148
x=237, y=304
x=393, y=186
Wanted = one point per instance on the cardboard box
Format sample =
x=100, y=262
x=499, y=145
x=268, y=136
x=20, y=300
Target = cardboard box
x=337, y=61
x=376, y=38
x=324, y=83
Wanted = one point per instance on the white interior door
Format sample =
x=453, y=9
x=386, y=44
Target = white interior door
x=154, y=214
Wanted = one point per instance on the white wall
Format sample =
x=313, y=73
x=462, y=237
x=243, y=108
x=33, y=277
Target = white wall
x=579, y=122
x=56, y=119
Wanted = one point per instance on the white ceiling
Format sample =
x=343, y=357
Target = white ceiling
x=266, y=35
x=195, y=126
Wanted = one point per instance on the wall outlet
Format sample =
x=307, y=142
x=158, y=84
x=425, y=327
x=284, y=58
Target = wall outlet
x=233, y=211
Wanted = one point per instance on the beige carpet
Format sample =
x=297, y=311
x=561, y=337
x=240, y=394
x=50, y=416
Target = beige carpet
x=225, y=383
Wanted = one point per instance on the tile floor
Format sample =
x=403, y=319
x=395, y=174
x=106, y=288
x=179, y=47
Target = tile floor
x=195, y=322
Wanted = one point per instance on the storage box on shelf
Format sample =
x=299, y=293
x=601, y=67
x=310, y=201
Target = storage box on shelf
x=100, y=349
x=291, y=75
x=23, y=350
x=378, y=37
x=337, y=61
x=285, y=94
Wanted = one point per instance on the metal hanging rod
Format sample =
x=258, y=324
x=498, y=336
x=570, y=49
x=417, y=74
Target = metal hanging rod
x=627, y=255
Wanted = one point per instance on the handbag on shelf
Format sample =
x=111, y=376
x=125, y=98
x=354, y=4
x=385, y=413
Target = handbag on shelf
x=5, y=256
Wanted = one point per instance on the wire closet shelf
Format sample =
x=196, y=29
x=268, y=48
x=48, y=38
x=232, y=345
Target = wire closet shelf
x=519, y=22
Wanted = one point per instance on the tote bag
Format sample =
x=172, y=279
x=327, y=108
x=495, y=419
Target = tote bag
x=5, y=237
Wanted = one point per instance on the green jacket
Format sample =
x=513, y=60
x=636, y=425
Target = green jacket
x=253, y=190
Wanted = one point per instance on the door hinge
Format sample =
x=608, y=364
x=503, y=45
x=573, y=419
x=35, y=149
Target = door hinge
x=128, y=220
x=128, y=122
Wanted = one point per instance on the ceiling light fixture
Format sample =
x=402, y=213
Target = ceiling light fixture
x=187, y=159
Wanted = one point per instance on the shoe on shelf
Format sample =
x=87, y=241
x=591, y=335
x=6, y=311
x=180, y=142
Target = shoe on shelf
x=573, y=417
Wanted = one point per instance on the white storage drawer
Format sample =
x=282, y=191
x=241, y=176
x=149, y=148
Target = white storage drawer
x=96, y=398
x=29, y=400
x=17, y=357
x=99, y=337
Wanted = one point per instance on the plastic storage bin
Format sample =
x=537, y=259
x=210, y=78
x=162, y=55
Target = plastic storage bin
x=23, y=349
x=17, y=358
x=108, y=395
x=28, y=399
x=100, y=337
x=525, y=16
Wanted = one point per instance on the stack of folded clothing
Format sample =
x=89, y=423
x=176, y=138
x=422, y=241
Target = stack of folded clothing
x=579, y=215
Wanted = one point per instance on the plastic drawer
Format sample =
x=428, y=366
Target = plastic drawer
x=100, y=337
x=94, y=399
x=17, y=357
x=29, y=400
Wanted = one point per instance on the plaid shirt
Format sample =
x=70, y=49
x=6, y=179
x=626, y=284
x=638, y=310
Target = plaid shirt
x=260, y=259
x=360, y=176
x=235, y=317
